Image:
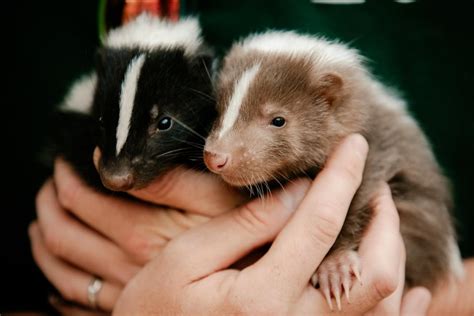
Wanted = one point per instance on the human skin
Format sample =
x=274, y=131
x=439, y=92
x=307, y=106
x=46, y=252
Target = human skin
x=136, y=232
x=278, y=283
x=118, y=236
x=455, y=297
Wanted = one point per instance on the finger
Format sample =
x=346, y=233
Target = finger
x=190, y=190
x=141, y=229
x=71, y=309
x=391, y=305
x=96, y=157
x=455, y=294
x=225, y=239
x=94, y=253
x=416, y=302
x=313, y=229
x=381, y=253
x=70, y=282
x=193, y=191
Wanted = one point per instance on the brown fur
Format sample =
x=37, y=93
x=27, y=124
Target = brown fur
x=323, y=103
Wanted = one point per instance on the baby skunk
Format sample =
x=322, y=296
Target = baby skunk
x=285, y=100
x=147, y=106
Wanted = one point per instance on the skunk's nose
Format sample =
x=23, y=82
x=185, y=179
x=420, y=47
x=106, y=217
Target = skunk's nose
x=117, y=181
x=216, y=162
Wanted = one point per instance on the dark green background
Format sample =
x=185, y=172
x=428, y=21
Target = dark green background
x=425, y=49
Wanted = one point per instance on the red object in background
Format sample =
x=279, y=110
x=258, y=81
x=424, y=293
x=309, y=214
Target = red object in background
x=163, y=8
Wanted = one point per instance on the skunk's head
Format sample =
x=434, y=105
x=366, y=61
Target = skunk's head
x=154, y=107
x=283, y=101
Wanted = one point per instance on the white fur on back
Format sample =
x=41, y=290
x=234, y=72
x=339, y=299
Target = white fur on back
x=291, y=43
x=390, y=99
x=81, y=95
x=148, y=32
x=240, y=90
x=127, y=100
x=455, y=260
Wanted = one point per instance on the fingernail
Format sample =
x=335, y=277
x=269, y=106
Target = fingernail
x=358, y=144
x=294, y=193
x=96, y=157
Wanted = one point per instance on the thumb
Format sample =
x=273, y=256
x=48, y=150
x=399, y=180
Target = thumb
x=193, y=191
x=223, y=240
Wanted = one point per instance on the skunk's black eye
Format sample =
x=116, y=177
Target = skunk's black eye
x=278, y=121
x=165, y=123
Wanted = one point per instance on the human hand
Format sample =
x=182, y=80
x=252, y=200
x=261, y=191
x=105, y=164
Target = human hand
x=191, y=275
x=455, y=296
x=81, y=233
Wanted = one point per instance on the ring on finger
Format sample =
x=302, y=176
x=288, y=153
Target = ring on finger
x=93, y=289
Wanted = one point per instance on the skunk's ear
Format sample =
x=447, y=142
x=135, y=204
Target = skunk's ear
x=203, y=61
x=329, y=87
x=205, y=65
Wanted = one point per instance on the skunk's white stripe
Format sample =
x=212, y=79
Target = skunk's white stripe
x=240, y=90
x=127, y=98
x=320, y=50
x=149, y=32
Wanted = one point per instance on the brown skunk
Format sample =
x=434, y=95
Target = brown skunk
x=285, y=100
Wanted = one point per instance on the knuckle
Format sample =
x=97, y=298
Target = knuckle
x=68, y=292
x=68, y=195
x=385, y=283
x=53, y=242
x=250, y=219
x=140, y=246
x=327, y=228
x=123, y=272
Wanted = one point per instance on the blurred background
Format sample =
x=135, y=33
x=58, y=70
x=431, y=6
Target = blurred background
x=423, y=48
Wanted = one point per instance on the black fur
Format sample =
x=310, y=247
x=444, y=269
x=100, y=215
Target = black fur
x=72, y=135
x=181, y=88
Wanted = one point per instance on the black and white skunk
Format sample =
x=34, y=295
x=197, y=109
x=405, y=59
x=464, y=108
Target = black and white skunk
x=148, y=106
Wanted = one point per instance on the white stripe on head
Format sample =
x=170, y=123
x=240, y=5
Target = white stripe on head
x=240, y=91
x=127, y=98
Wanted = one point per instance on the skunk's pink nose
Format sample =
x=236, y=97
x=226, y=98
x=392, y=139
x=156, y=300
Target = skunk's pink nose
x=216, y=162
